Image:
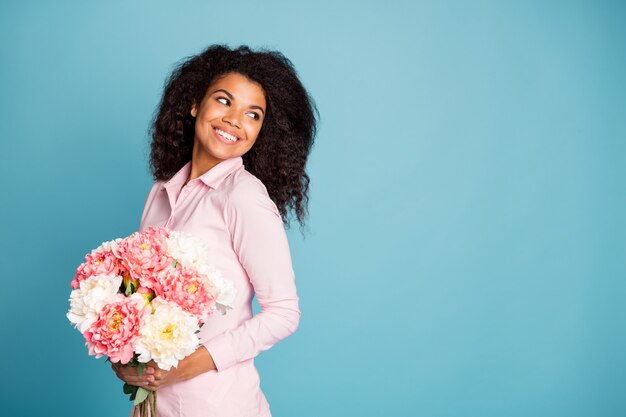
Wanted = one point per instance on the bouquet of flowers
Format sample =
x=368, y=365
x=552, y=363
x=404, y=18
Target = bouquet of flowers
x=144, y=298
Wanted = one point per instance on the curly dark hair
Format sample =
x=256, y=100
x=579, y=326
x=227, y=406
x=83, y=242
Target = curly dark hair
x=279, y=155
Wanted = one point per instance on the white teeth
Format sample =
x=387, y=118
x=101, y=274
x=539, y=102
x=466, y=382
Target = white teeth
x=226, y=135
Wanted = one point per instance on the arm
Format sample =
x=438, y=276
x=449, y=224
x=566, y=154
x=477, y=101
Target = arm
x=154, y=378
x=260, y=242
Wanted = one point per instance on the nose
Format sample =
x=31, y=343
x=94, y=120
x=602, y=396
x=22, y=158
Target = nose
x=231, y=118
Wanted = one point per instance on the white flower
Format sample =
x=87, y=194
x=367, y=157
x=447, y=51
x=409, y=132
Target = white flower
x=87, y=300
x=167, y=336
x=106, y=246
x=191, y=252
x=226, y=291
x=186, y=248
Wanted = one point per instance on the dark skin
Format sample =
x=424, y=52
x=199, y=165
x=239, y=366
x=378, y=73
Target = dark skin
x=236, y=105
x=155, y=378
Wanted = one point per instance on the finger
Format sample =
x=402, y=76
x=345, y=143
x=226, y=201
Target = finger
x=117, y=371
x=144, y=379
x=130, y=375
x=119, y=377
x=129, y=371
x=116, y=367
x=125, y=373
x=132, y=379
x=161, y=373
x=149, y=385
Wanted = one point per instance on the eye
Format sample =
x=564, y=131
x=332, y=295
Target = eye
x=223, y=100
x=253, y=115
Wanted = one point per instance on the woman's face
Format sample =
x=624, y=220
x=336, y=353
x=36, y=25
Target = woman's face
x=228, y=119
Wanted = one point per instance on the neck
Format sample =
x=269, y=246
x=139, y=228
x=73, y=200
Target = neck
x=201, y=163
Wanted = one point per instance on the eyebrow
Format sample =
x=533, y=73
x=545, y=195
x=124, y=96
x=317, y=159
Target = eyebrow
x=230, y=96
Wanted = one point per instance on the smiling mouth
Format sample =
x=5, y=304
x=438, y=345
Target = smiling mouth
x=226, y=135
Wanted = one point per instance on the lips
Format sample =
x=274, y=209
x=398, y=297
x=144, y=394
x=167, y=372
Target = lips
x=225, y=136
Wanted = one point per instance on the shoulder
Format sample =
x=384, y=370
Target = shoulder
x=157, y=188
x=152, y=203
x=246, y=193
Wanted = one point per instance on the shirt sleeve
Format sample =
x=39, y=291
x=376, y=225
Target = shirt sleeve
x=149, y=201
x=260, y=241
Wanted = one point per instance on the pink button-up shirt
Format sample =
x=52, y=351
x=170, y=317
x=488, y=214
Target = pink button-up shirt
x=230, y=209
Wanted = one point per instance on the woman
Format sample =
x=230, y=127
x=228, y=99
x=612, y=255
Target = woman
x=229, y=148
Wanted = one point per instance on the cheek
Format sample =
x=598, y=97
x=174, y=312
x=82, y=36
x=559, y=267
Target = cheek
x=250, y=144
x=210, y=110
x=253, y=132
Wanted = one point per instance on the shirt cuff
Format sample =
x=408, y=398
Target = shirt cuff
x=220, y=350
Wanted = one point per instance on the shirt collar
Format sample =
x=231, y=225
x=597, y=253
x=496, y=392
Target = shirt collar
x=213, y=177
x=176, y=182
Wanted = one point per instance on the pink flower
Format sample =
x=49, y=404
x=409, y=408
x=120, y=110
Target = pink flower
x=193, y=292
x=116, y=328
x=143, y=255
x=97, y=263
x=146, y=293
x=159, y=233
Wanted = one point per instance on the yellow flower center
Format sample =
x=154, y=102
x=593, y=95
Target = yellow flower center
x=192, y=288
x=114, y=322
x=168, y=332
x=144, y=246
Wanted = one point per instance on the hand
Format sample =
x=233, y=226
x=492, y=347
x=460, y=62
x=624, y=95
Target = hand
x=153, y=377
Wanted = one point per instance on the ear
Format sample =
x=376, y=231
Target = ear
x=194, y=110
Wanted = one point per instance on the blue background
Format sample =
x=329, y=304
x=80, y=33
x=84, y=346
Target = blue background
x=465, y=254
